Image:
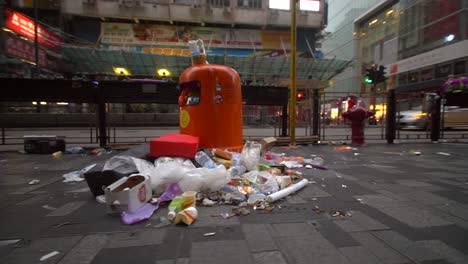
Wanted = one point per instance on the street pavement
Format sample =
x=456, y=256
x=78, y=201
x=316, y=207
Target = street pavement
x=87, y=136
x=399, y=208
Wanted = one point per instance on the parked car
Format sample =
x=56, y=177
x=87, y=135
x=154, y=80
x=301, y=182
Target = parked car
x=454, y=118
x=412, y=119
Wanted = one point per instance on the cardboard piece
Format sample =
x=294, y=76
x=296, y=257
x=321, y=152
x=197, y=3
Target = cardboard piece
x=128, y=194
x=267, y=144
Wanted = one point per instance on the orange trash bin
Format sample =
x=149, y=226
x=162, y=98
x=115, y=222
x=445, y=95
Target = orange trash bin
x=211, y=102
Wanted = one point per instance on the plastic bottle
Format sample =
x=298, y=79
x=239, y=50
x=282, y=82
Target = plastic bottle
x=175, y=207
x=237, y=170
x=204, y=160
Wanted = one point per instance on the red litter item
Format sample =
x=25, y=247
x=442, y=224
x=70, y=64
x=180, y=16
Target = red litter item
x=174, y=145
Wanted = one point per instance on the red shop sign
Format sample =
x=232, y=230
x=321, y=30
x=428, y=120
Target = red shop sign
x=22, y=49
x=24, y=26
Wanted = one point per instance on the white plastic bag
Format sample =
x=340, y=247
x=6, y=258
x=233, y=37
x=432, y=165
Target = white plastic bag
x=169, y=170
x=250, y=156
x=204, y=179
x=128, y=164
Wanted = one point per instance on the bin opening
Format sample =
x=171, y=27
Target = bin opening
x=190, y=93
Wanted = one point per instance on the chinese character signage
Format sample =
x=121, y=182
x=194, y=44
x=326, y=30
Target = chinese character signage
x=24, y=26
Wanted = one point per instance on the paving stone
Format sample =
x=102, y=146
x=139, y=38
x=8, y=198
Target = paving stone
x=177, y=243
x=456, y=196
x=380, y=201
x=426, y=198
x=86, y=249
x=205, y=217
x=360, y=222
x=221, y=233
x=312, y=191
x=382, y=251
x=41, y=184
x=393, y=196
x=269, y=257
x=452, y=255
x=35, y=199
x=291, y=229
x=258, y=238
x=413, y=183
x=303, y=250
x=335, y=235
x=140, y=255
x=138, y=238
x=406, y=247
x=414, y=216
x=32, y=252
x=67, y=208
x=295, y=199
x=358, y=255
x=455, y=209
x=226, y=252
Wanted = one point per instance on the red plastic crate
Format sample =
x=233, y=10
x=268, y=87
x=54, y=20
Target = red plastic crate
x=174, y=145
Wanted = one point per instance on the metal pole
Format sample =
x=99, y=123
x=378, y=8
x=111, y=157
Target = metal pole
x=292, y=102
x=391, y=116
x=284, y=121
x=315, y=112
x=36, y=44
x=3, y=136
x=90, y=133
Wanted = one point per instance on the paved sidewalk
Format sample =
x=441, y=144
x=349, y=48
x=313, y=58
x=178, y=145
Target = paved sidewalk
x=400, y=208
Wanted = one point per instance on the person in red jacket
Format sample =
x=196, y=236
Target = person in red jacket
x=357, y=114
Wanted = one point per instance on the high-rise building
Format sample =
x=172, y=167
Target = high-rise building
x=338, y=39
x=421, y=43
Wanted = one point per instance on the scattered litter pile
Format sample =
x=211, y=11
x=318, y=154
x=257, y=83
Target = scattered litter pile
x=178, y=175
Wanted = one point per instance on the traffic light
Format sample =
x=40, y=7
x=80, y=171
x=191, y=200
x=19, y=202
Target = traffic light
x=370, y=75
x=381, y=74
x=300, y=96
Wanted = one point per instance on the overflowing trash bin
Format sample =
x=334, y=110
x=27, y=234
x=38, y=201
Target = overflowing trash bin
x=211, y=102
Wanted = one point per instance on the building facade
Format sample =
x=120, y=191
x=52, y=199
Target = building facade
x=420, y=42
x=338, y=40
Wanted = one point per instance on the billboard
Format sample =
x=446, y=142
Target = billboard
x=24, y=26
x=178, y=36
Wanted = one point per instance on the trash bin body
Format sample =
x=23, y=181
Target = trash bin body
x=211, y=106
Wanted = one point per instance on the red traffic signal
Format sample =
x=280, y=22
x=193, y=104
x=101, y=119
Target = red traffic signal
x=300, y=96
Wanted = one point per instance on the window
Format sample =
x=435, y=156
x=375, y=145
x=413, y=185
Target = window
x=250, y=3
x=219, y=3
x=402, y=78
x=443, y=71
x=413, y=77
x=309, y=5
x=427, y=74
x=460, y=68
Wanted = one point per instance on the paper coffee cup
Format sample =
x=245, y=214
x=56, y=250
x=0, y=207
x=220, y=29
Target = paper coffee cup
x=189, y=199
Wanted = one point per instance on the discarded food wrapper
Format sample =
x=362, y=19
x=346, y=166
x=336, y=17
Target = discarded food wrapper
x=143, y=213
x=34, y=182
x=309, y=166
x=101, y=199
x=48, y=207
x=208, y=202
x=47, y=256
x=57, y=154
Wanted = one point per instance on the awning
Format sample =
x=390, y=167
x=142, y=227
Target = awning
x=101, y=61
